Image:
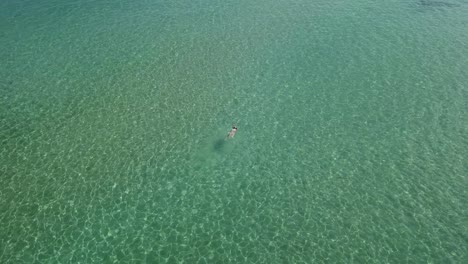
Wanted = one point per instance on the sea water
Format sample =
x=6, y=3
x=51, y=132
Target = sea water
x=352, y=140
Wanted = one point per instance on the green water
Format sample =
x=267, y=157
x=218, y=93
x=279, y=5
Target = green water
x=352, y=144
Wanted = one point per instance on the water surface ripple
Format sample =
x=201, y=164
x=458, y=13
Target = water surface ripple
x=352, y=144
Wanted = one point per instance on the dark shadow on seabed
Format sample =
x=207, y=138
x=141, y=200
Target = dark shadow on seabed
x=219, y=145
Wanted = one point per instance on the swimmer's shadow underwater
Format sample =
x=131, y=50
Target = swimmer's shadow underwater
x=219, y=144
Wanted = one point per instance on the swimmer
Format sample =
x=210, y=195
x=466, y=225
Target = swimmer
x=232, y=132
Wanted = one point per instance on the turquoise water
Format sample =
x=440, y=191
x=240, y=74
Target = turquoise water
x=352, y=144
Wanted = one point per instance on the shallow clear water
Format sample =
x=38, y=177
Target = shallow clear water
x=352, y=144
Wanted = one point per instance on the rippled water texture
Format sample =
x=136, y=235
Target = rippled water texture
x=352, y=144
